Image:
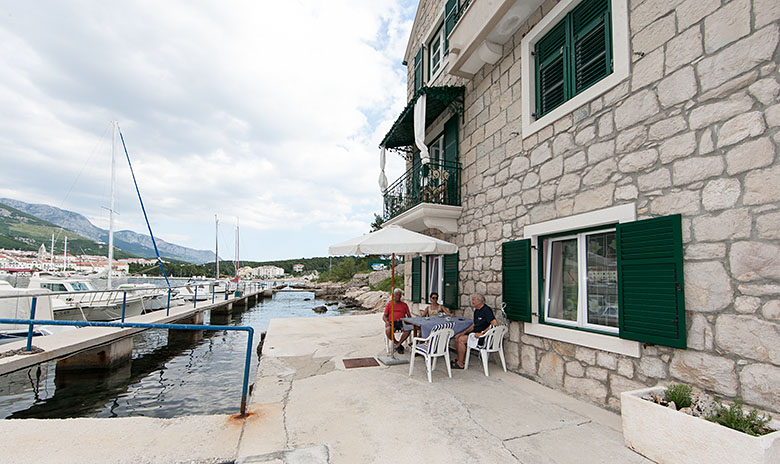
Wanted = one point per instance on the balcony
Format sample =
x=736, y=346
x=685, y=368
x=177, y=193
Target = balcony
x=425, y=197
x=482, y=29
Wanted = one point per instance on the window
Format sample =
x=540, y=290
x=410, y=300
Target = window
x=435, y=276
x=436, y=51
x=580, y=280
x=574, y=55
x=620, y=278
x=578, y=51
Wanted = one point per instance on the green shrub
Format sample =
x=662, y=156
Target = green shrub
x=735, y=418
x=680, y=394
x=385, y=284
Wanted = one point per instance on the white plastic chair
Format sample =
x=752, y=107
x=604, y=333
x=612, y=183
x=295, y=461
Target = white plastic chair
x=493, y=342
x=436, y=345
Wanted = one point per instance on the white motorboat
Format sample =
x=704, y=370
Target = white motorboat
x=91, y=306
x=154, y=298
x=203, y=292
x=20, y=308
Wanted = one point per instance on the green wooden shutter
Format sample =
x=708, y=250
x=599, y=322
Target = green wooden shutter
x=450, y=297
x=451, y=161
x=416, y=279
x=516, y=270
x=418, y=70
x=450, y=13
x=551, y=70
x=651, y=302
x=592, y=43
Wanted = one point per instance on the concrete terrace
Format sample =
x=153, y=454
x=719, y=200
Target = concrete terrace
x=306, y=407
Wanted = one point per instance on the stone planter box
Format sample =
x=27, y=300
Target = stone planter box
x=671, y=437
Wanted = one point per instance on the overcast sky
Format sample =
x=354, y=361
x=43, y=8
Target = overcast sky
x=270, y=112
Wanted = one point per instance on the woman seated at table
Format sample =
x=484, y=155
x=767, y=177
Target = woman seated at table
x=435, y=309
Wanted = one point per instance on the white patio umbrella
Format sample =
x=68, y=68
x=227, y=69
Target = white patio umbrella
x=393, y=239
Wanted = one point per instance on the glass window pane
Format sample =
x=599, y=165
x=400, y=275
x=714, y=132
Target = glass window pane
x=602, y=279
x=563, y=281
x=433, y=275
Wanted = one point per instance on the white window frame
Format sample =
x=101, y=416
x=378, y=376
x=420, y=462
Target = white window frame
x=438, y=34
x=582, y=282
x=603, y=342
x=440, y=266
x=438, y=27
x=621, y=55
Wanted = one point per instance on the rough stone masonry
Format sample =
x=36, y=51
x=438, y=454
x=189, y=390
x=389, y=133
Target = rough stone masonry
x=694, y=131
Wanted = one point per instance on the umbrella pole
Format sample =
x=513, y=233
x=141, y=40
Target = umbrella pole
x=392, y=300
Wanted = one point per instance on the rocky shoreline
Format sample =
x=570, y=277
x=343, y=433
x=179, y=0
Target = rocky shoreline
x=347, y=297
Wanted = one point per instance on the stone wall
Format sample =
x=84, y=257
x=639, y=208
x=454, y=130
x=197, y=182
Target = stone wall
x=694, y=131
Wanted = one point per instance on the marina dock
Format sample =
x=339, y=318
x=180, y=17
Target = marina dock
x=104, y=347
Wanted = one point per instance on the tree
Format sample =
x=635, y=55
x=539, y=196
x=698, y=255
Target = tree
x=377, y=224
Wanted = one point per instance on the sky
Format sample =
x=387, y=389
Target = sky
x=264, y=113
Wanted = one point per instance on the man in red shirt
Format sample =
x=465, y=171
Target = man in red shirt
x=400, y=309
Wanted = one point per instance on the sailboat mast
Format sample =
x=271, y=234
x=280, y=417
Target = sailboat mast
x=51, y=255
x=65, y=255
x=216, y=248
x=237, y=259
x=111, y=207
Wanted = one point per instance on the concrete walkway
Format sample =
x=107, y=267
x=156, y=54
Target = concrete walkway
x=307, y=408
x=307, y=401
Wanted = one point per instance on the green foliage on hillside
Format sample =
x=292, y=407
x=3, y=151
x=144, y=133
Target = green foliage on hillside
x=21, y=231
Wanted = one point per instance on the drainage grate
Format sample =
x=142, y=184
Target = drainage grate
x=360, y=362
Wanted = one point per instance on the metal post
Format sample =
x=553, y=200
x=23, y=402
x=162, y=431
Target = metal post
x=33, y=304
x=213, y=289
x=168, y=309
x=245, y=390
x=226, y=293
x=195, y=299
x=124, y=304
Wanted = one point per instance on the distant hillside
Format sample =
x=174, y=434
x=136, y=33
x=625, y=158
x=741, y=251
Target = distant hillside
x=126, y=240
x=19, y=230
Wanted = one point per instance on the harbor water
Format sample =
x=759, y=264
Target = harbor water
x=171, y=373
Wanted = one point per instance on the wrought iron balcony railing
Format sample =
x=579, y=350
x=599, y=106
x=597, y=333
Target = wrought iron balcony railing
x=461, y=9
x=437, y=182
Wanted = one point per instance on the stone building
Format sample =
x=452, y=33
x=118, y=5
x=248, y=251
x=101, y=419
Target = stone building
x=609, y=171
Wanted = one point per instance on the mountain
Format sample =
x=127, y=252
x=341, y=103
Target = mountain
x=126, y=240
x=23, y=231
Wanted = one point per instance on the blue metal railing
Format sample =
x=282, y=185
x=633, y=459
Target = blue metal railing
x=125, y=325
x=32, y=322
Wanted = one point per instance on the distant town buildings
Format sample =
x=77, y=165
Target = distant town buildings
x=298, y=267
x=41, y=260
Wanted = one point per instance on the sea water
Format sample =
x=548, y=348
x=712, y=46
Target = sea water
x=171, y=373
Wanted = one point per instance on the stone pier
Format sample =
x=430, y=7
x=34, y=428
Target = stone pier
x=102, y=357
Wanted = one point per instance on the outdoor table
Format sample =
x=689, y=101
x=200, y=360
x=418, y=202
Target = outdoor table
x=423, y=326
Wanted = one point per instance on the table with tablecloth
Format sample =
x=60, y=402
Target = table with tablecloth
x=423, y=325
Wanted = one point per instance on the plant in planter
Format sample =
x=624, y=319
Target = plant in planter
x=653, y=428
x=735, y=418
x=679, y=394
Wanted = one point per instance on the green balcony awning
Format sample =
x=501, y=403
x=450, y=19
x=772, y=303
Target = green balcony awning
x=437, y=101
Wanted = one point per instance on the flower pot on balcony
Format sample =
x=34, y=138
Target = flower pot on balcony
x=668, y=436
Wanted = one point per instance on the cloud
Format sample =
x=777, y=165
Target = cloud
x=267, y=111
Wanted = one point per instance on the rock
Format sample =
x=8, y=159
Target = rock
x=652, y=367
x=738, y=57
x=684, y=48
x=607, y=360
x=706, y=115
x=728, y=225
x=768, y=225
x=726, y=25
x=721, y=194
x=741, y=127
x=749, y=337
x=705, y=369
x=320, y=309
x=677, y=88
x=678, y=147
x=688, y=411
x=755, y=260
x=586, y=388
x=551, y=369
x=586, y=355
x=702, y=405
x=771, y=310
x=637, y=107
x=332, y=303
x=707, y=287
x=528, y=358
x=750, y=155
x=761, y=186
x=695, y=169
x=671, y=405
x=759, y=385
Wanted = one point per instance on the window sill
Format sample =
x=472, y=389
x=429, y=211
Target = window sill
x=609, y=343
